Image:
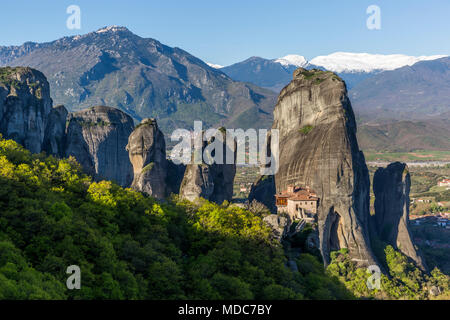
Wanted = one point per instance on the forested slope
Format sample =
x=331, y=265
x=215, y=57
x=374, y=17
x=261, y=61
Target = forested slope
x=132, y=247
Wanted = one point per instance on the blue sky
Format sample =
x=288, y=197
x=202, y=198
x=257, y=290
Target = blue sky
x=225, y=32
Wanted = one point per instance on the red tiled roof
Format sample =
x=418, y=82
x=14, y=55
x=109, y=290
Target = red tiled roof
x=299, y=194
x=303, y=198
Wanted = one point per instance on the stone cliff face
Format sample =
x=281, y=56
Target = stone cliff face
x=97, y=138
x=264, y=191
x=223, y=178
x=175, y=174
x=55, y=131
x=390, y=223
x=318, y=148
x=147, y=152
x=24, y=106
x=213, y=182
x=197, y=182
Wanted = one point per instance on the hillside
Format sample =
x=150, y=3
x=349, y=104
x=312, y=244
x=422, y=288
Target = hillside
x=271, y=74
x=417, y=92
x=142, y=77
x=353, y=68
x=405, y=136
x=132, y=247
x=129, y=246
x=398, y=108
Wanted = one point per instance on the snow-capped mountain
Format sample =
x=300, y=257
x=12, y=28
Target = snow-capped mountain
x=292, y=60
x=215, y=66
x=365, y=62
x=352, y=67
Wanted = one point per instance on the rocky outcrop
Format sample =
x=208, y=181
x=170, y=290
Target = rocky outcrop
x=197, y=182
x=213, y=182
x=390, y=223
x=263, y=191
x=24, y=106
x=278, y=224
x=175, y=174
x=147, y=153
x=318, y=148
x=55, y=131
x=223, y=179
x=97, y=138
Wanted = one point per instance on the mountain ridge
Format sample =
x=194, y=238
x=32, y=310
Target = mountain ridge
x=352, y=67
x=143, y=77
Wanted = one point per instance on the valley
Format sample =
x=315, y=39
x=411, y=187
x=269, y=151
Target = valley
x=361, y=181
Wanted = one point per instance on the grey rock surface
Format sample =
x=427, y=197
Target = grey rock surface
x=390, y=223
x=278, y=224
x=97, y=138
x=24, y=106
x=175, y=174
x=55, y=131
x=197, y=182
x=263, y=190
x=212, y=181
x=319, y=149
x=147, y=153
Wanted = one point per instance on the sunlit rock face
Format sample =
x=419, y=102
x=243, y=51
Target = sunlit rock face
x=390, y=224
x=147, y=153
x=97, y=138
x=197, y=182
x=213, y=181
x=319, y=149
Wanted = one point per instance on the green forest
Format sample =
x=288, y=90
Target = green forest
x=130, y=246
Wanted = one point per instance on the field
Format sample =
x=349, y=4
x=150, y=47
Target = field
x=244, y=178
x=417, y=156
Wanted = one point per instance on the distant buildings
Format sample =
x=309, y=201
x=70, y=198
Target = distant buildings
x=437, y=220
x=444, y=183
x=297, y=202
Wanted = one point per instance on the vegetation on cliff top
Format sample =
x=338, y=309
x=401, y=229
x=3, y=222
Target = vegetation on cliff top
x=5, y=77
x=404, y=279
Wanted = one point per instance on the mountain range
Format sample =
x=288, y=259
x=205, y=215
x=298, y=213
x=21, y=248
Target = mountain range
x=393, y=95
x=144, y=78
x=417, y=92
x=401, y=102
x=274, y=74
